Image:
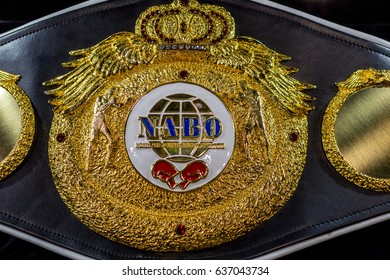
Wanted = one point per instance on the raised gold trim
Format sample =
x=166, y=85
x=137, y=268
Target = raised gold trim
x=358, y=81
x=23, y=145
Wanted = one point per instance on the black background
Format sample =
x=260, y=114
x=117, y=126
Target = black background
x=367, y=16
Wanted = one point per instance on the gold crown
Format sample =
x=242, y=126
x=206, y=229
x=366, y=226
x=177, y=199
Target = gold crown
x=185, y=24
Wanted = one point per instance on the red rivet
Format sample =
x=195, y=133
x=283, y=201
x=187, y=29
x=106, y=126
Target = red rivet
x=294, y=136
x=184, y=75
x=180, y=230
x=61, y=137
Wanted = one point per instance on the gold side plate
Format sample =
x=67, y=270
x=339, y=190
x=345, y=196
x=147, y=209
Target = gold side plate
x=179, y=136
x=17, y=124
x=356, y=128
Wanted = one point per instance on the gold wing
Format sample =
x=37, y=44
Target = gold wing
x=7, y=77
x=365, y=78
x=118, y=53
x=263, y=64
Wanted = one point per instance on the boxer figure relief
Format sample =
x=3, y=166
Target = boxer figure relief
x=99, y=125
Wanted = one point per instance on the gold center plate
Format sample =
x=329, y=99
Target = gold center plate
x=118, y=203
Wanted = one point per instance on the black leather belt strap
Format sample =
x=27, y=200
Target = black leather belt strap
x=323, y=202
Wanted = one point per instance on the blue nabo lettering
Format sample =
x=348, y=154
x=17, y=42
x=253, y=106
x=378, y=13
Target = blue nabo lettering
x=148, y=125
x=170, y=127
x=191, y=127
x=213, y=127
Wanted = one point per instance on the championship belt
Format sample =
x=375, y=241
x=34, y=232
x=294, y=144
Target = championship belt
x=184, y=130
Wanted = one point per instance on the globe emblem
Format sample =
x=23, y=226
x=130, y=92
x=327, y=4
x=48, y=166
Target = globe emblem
x=180, y=136
x=181, y=128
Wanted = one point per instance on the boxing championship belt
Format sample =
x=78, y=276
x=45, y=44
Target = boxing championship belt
x=185, y=129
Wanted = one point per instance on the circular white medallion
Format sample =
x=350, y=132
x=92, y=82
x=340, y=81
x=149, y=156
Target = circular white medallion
x=179, y=136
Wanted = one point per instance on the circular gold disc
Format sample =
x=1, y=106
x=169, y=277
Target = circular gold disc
x=362, y=132
x=355, y=130
x=17, y=126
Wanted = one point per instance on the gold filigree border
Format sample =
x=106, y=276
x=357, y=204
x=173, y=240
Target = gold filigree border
x=22, y=147
x=359, y=80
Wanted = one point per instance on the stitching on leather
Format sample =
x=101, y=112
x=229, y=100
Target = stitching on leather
x=312, y=29
x=214, y=256
x=55, y=234
x=65, y=22
x=257, y=9
x=303, y=230
x=321, y=224
x=224, y=254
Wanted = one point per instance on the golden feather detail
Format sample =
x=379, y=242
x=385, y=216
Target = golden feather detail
x=7, y=77
x=264, y=65
x=90, y=71
x=365, y=78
